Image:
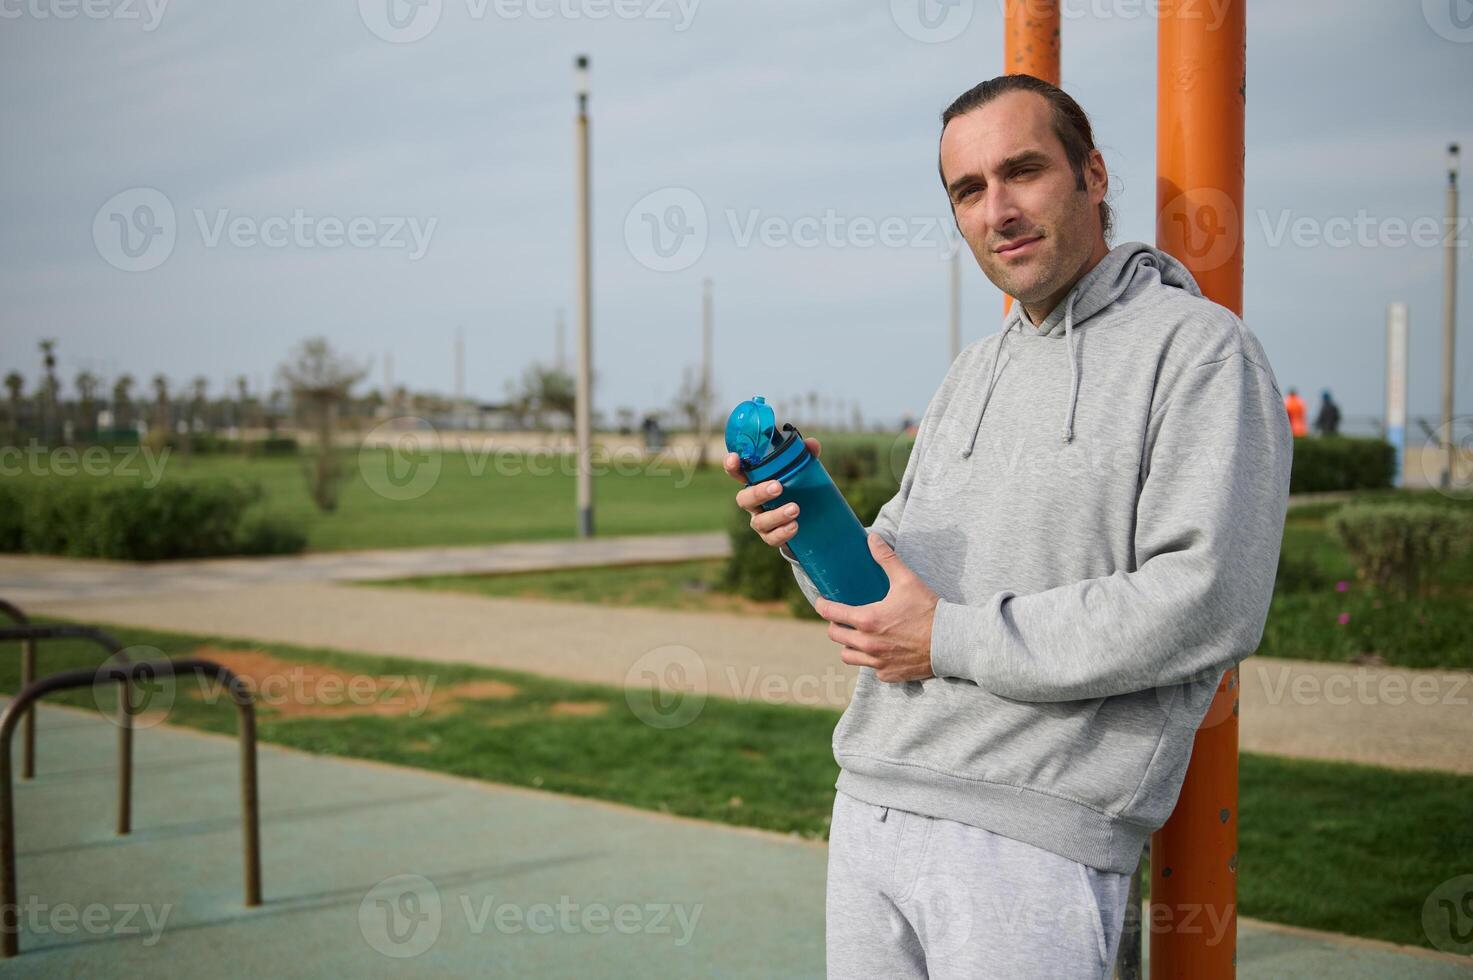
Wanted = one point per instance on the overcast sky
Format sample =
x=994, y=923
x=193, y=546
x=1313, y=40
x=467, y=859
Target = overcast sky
x=384, y=173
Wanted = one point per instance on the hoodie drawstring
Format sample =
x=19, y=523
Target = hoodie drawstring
x=987, y=396
x=1068, y=433
x=1073, y=369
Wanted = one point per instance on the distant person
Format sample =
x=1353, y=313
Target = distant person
x=1327, y=422
x=1294, y=405
x=654, y=438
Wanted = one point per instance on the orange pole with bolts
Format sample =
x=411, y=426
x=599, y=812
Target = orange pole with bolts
x=1030, y=47
x=1201, y=74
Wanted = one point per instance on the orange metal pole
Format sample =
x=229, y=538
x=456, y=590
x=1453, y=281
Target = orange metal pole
x=1201, y=74
x=1031, y=39
x=1030, y=47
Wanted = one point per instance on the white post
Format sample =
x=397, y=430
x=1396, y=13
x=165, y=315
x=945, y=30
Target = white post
x=1396, y=387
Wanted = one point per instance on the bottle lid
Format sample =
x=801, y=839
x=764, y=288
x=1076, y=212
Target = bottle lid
x=750, y=430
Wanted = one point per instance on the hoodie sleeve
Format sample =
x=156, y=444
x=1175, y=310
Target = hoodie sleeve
x=1209, y=526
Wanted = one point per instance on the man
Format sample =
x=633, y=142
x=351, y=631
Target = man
x=1085, y=537
x=1294, y=407
x=1327, y=422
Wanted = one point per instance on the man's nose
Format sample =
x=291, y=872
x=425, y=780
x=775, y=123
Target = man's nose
x=1000, y=210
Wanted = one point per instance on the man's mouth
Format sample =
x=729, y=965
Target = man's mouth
x=1017, y=245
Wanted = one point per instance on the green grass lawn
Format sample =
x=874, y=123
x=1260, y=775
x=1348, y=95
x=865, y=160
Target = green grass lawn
x=477, y=499
x=1315, y=848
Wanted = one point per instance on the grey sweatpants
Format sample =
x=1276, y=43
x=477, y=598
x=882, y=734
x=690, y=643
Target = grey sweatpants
x=916, y=896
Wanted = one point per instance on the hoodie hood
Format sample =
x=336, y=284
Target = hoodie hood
x=1125, y=270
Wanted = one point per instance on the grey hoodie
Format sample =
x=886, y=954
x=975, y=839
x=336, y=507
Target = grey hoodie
x=1099, y=504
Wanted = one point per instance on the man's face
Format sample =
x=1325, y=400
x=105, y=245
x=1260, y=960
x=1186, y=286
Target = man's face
x=1016, y=200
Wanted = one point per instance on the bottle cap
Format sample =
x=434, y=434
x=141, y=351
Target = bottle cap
x=750, y=429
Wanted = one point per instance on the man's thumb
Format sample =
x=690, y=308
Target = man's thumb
x=884, y=554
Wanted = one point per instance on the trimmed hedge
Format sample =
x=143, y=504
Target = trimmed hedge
x=1326, y=463
x=88, y=519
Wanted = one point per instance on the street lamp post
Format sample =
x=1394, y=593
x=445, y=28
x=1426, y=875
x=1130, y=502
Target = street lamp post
x=583, y=416
x=1449, y=312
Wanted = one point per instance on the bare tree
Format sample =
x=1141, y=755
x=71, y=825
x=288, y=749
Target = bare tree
x=693, y=404
x=320, y=380
x=544, y=390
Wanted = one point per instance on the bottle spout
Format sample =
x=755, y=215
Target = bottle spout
x=750, y=430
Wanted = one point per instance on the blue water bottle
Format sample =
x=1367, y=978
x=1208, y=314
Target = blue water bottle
x=831, y=544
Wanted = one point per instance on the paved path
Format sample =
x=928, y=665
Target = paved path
x=29, y=578
x=371, y=870
x=1381, y=716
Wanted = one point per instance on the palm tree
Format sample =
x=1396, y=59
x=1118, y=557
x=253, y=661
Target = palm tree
x=162, y=415
x=14, y=385
x=87, y=383
x=50, y=387
x=199, y=403
x=123, y=402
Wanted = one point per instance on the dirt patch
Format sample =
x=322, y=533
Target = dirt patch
x=286, y=689
x=477, y=690
x=578, y=709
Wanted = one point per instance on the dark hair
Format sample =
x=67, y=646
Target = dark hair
x=1071, y=125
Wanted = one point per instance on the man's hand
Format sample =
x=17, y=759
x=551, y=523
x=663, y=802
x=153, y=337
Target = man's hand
x=893, y=635
x=774, y=527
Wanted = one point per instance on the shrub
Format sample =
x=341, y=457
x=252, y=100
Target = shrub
x=1341, y=463
x=272, y=446
x=1297, y=575
x=1391, y=544
x=127, y=521
x=11, y=518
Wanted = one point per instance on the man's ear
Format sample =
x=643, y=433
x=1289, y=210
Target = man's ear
x=1096, y=176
